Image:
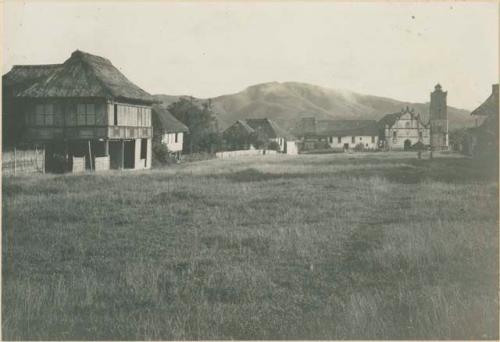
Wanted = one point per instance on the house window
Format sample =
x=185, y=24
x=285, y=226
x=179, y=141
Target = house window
x=44, y=115
x=420, y=135
x=407, y=125
x=339, y=140
x=373, y=139
x=90, y=114
x=115, y=115
x=353, y=140
x=139, y=117
x=49, y=114
x=39, y=115
x=176, y=137
x=360, y=138
x=85, y=114
x=394, y=134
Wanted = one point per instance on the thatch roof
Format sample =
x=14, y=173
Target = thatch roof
x=21, y=77
x=86, y=75
x=268, y=129
x=165, y=122
x=490, y=106
x=346, y=128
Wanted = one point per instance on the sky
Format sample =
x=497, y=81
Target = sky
x=205, y=49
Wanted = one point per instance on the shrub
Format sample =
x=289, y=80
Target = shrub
x=161, y=153
x=273, y=145
x=359, y=147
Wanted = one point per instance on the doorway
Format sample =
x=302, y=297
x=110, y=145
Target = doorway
x=407, y=145
x=129, y=154
x=122, y=154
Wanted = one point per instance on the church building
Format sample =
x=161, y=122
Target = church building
x=406, y=130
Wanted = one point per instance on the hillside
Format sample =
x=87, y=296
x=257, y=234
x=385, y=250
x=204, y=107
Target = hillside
x=287, y=102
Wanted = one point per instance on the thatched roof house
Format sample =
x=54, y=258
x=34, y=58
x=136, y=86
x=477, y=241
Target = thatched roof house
x=244, y=133
x=82, y=108
x=268, y=129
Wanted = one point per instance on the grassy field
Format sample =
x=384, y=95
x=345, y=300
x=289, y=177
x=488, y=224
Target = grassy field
x=340, y=246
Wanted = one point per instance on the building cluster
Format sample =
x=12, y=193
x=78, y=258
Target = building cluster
x=404, y=130
x=86, y=115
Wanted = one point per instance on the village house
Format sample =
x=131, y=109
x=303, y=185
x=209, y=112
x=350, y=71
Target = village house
x=245, y=134
x=482, y=140
x=403, y=130
x=168, y=131
x=84, y=112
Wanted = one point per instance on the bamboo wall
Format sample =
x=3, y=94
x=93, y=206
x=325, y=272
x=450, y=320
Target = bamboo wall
x=23, y=161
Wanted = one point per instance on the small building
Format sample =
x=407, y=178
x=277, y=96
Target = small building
x=403, y=131
x=251, y=133
x=482, y=140
x=350, y=134
x=339, y=135
x=85, y=113
x=168, y=130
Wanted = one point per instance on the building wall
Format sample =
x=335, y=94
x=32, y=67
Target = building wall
x=95, y=120
x=169, y=140
x=338, y=142
x=408, y=127
x=439, y=134
x=291, y=147
x=74, y=119
x=130, y=115
x=141, y=163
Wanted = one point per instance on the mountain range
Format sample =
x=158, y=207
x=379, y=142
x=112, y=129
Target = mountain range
x=287, y=102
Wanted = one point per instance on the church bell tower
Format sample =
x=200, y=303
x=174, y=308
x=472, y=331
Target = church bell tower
x=438, y=119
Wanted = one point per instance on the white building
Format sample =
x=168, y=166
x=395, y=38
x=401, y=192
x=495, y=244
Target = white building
x=168, y=130
x=341, y=135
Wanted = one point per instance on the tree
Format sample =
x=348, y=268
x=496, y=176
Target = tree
x=203, y=132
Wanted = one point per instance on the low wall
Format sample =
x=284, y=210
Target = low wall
x=78, y=164
x=23, y=161
x=231, y=154
x=101, y=163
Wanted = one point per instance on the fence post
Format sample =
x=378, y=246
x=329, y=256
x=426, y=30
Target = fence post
x=15, y=161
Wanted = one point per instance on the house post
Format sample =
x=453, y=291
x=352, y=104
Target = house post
x=90, y=156
x=15, y=161
x=123, y=154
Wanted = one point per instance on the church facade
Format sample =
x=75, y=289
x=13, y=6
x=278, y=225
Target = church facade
x=404, y=130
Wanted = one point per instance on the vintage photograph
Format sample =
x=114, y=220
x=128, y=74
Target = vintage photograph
x=250, y=170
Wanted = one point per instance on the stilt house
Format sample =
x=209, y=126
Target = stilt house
x=85, y=113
